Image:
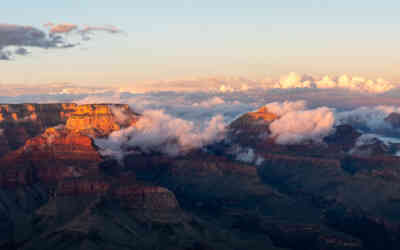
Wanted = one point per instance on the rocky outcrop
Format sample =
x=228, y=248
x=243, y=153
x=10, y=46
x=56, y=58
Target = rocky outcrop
x=343, y=140
x=16, y=176
x=136, y=196
x=19, y=122
x=251, y=126
x=55, y=155
x=46, y=114
x=83, y=186
x=101, y=119
x=393, y=119
x=251, y=130
x=309, y=236
x=51, y=150
x=57, y=191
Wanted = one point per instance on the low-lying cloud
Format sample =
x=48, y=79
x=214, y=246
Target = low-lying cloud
x=299, y=124
x=159, y=132
x=305, y=113
x=162, y=132
x=369, y=118
x=302, y=125
x=282, y=108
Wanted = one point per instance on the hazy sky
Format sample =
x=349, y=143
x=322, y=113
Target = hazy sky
x=179, y=39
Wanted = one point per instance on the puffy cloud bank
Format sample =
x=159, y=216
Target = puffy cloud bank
x=282, y=108
x=15, y=38
x=369, y=118
x=305, y=113
x=159, y=132
x=355, y=83
x=299, y=125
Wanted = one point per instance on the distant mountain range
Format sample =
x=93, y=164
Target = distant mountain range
x=61, y=189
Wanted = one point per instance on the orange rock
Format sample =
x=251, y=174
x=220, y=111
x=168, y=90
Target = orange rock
x=100, y=119
x=30, y=107
x=263, y=114
x=55, y=155
x=251, y=126
x=21, y=122
x=55, y=140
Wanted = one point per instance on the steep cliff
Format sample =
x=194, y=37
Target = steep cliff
x=251, y=127
x=58, y=192
x=100, y=119
x=50, y=157
x=20, y=122
x=64, y=149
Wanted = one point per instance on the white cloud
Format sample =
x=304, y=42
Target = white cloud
x=246, y=155
x=282, y=108
x=372, y=118
x=355, y=83
x=210, y=102
x=303, y=125
x=293, y=80
x=157, y=131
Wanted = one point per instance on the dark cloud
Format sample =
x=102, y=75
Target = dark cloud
x=5, y=55
x=27, y=36
x=21, y=36
x=21, y=51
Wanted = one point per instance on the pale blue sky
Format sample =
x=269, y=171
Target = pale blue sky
x=177, y=39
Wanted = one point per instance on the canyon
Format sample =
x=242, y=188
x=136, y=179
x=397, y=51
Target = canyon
x=58, y=191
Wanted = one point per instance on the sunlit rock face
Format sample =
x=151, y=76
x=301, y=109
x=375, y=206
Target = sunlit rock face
x=57, y=190
x=255, y=130
x=19, y=122
x=47, y=114
x=101, y=119
x=251, y=126
x=59, y=151
x=258, y=117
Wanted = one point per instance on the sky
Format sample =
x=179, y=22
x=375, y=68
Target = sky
x=170, y=40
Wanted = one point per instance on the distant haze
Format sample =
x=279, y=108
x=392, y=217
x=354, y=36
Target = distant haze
x=133, y=42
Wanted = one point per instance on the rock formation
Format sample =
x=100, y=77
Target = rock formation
x=20, y=122
x=61, y=151
x=252, y=126
x=100, y=119
x=58, y=192
x=393, y=119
